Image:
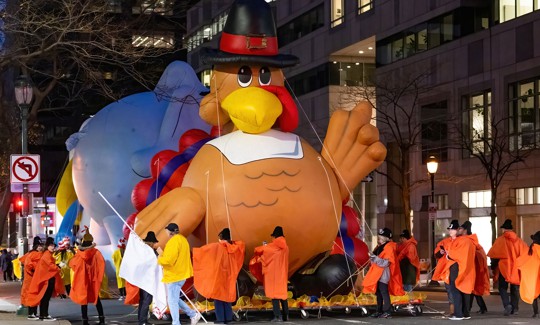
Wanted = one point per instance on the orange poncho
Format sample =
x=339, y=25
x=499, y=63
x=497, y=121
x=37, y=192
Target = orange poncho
x=216, y=267
x=132, y=294
x=529, y=266
x=441, y=270
x=481, y=283
x=463, y=251
x=408, y=250
x=88, y=267
x=507, y=248
x=274, y=259
x=46, y=268
x=395, y=285
x=29, y=261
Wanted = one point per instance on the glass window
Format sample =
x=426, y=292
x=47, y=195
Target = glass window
x=301, y=26
x=477, y=199
x=434, y=34
x=397, y=49
x=447, y=28
x=529, y=195
x=477, y=122
x=524, y=7
x=164, y=40
x=507, y=10
x=410, y=45
x=364, y=6
x=524, y=115
x=422, y=40
x=337, y=14
x=435, y=131
x=160, y=7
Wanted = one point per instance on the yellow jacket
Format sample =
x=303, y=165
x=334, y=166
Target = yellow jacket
x=117, y=260
x=176, y=260
x=65, y=270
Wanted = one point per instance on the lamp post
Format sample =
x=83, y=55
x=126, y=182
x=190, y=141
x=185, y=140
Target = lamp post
x=432, y=165
x=24, y=94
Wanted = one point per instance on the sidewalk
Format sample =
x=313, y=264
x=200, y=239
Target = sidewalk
x=9, y=306
x=10, y=318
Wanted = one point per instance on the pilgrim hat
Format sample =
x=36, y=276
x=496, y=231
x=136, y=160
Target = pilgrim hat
x=385, y=232
x=278, y=232
x=454, y=224
x=37, y=242
x=225, y=234
x=249, y=36
x=467, y=225
x=507, y=224
x=172, y=227
x=49, y=242
x=150, y=237
x=536, y=237
x=87, y=239
x=405, y=234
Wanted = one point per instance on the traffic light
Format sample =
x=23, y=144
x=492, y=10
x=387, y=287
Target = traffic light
x=19, y=205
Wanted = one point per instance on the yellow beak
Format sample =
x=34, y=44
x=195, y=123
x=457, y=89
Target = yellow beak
x=252, y=109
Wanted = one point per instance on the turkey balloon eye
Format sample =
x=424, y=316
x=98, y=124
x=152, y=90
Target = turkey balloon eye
x=265, y=77
x=244, y=76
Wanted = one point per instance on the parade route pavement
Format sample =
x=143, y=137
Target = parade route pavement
x=116, y=313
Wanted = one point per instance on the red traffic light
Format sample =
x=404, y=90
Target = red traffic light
x=20, y=203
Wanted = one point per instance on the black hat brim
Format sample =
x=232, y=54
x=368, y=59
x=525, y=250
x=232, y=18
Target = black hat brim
x=214, y=56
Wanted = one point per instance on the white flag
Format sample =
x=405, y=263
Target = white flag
x=140, y=268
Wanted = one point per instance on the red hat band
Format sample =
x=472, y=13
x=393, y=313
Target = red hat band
x=249, y=44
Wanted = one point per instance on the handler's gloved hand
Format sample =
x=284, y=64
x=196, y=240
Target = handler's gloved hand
x=62, y=264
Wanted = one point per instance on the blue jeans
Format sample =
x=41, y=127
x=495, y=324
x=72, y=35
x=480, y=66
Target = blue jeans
x=174, y=301
x=408, y=288
x=224, y=313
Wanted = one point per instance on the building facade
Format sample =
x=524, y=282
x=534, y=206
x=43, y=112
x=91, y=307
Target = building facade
x=476, y=67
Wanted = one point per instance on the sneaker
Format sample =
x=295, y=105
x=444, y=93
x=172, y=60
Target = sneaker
x=455, y=318
x=466, y=317
x=375, y=315
x=195, y=319
x=535, y=316
x=120, y=298
x=507, y=310
x=385, y=315
x=49, y=318
x=32, y=317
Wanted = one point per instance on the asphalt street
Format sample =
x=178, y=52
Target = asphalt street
x=118, y=313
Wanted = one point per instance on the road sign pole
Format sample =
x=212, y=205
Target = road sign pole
x=26, y=201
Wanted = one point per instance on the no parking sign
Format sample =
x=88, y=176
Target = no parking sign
x=25, y=169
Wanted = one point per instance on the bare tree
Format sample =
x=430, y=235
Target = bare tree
x=76, y=50
x=395, y=100
x=492, y=149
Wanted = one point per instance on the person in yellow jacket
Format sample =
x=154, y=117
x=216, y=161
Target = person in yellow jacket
x=117, y=257
x=176, y=262
x=62, y=256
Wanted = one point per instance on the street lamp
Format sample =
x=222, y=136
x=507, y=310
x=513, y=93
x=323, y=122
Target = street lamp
x=24, y=94
x=432, y=165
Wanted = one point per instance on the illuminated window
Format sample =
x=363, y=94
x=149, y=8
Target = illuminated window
x=510, y=9
x=364, y=6
x=158, y=41
x=478, y=199
x=160, y=7
x=528, y=195
x=477, y=122
x=337, y=13
x=524, y=124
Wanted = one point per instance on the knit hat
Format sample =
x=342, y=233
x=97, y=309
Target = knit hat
x=454, y=225
x=405, y=234
x=467, y=225
x=225, y=234
x=278, y=232
x=121, y=243
x=385, y=232
x=507, y=224
x=87, y=239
